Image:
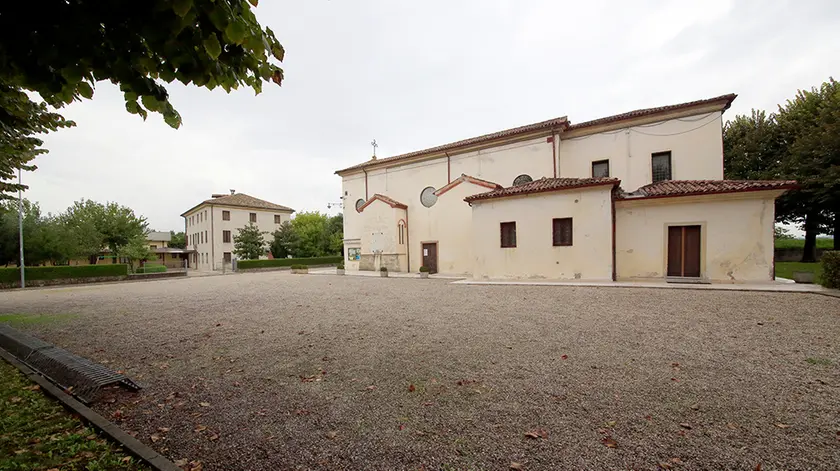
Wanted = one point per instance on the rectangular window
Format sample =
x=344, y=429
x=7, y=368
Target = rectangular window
x=660, y=164
x=253, y=217
x=401, y=232
x=201, y=237
x=508, y=231
x=277, y=219
x=227, y=257
x=226, y=237
x=225, y=215
x=561, y=232
x=206, y=237
x=601, y=168
x=151, y=246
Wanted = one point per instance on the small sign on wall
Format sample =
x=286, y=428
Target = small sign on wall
x=425, y=252
x=354, y=254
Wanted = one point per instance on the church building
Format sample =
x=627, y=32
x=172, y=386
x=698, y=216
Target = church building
x=635, y=196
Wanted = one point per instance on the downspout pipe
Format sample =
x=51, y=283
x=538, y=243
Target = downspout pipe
x=448, y=169
x=212, y=241
x=613, y=195
x=407, y=243
x=366, y=185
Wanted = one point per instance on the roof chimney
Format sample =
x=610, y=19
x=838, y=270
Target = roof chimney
x=216, y=195
x=232, y=191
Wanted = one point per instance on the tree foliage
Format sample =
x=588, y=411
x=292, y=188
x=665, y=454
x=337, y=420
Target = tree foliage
x=137, y=249
x=285, y=241
x=309, y=234
x=249, y=242
x=62, y=49
x=178, y=240
x=800, y=142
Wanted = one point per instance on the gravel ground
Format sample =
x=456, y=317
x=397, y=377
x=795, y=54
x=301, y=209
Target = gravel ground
x=271, y=371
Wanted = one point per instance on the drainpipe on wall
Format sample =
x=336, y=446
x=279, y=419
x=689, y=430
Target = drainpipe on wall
x=212, y=241
x=366, y=185
x=448, y=169
x=612, y=205
x=408, y=244
x=554, y=152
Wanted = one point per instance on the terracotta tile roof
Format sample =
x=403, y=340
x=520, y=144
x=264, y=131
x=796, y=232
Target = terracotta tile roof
x=389, y=201
x=244, y=201
x=466, y=178
x=543, y=185
x=543, y=125
x=725, y=100
x=705, y=187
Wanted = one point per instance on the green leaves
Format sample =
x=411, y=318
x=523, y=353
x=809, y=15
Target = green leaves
x=182, y=7
x=212, y=46
x=236, y=32
x=85, y=90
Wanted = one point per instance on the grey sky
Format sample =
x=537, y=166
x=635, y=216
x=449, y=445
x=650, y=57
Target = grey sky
x=419, y=74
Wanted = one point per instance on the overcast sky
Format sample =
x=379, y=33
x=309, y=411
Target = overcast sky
x=419, y=74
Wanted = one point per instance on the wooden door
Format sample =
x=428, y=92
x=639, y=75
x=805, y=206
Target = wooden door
x=430, y=256
x=684, y=251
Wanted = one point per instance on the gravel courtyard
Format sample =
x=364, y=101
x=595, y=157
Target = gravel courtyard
x=272, y=371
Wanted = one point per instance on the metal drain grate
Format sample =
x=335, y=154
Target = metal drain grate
x=80, y=376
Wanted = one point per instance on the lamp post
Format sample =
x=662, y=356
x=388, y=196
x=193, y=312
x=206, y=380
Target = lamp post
x=20, y=229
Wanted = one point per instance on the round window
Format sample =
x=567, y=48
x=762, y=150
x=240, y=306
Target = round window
x=522, y=179
x=428, y=197
x=359, y=203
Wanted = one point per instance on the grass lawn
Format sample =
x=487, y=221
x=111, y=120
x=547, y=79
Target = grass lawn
x=786, y=269
x=822, y=243
x=36, y=433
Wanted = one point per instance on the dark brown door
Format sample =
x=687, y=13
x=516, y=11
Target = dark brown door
x=430, y=257
x=684, y=251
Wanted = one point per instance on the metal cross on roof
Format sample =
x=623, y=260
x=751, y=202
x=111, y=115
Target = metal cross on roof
x=375, y=145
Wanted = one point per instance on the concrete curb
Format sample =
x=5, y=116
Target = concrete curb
x=134, y=446
x=698, y=287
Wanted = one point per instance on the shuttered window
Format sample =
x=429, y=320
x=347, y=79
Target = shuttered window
x=253, y=217
x=660, y=164
x=508, y=232
x=225, y=215
x=561, y=232
x=226, y=237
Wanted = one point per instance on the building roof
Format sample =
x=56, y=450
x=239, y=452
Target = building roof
x=466, y=178
x=561, y=124
x=724, y=100
x=158, y=235
x=543, y=185
x=378, y=197
x=672, y=188
x=243, y=201
x=542, y=125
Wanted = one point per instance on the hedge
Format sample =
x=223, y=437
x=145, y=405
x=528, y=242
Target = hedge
x=12, y=274
x=149, y=268
x=288, y=262
x=831, y=269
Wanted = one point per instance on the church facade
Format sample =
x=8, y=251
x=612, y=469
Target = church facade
x=635, y=196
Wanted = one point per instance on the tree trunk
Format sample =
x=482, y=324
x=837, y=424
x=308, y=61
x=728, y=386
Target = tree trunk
x=809, y=252
x=92, y=259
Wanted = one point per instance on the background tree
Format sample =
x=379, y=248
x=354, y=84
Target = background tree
x=311, y=230
x=178, y=241
x=137, y=249
x=119, y=226
x=335, y=234
x=285, y=242
x=800, y=142
x=83, y=222
x=249, y=242
x=69, y=46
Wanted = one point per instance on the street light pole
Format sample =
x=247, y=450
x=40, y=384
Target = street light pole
x=20, y=229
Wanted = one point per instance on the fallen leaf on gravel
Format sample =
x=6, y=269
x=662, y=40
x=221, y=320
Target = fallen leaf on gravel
x=758, y=467
x=132, y=433
x=537, y=433
x=181, y=463
x=732, y=426
x=213, y=437
x=676, y=461
x=427, y=404
x=401, y=427
x=665, y=466
x=695, y=407
x=163, y=429
x=53, y=469
x=609, y=442
x=781, y=425
x=155, y=437
x=371, y=388
x=200, y=428
x=196, y=466
x=564, y=357
x=648, y=417
x=674, y=379
x=611, y=423
x=515, y=465
x=92, y=437
x=331, y=435
x=685, y=425
x=34, y=387
x=126, y=459
x=117, y=414
x=204, y=404
x=411, y=388
x=298, y=412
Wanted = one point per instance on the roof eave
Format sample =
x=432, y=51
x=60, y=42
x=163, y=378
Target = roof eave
x=473, y=199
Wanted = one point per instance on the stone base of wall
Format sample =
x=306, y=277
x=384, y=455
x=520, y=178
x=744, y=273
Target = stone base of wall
x=154, y=276
x=393, y=262
x=64, y=281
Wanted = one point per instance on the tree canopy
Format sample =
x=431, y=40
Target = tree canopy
x=309, y=234
x=249, y=242
x=61, y=51
x=800, y=142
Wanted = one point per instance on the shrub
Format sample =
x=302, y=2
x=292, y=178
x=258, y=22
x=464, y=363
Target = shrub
x=831, y=269
x=425, y=269
x=12, y=275
x=340, y=266
x=385, y=269
x=287, y=262
x=299, y=267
